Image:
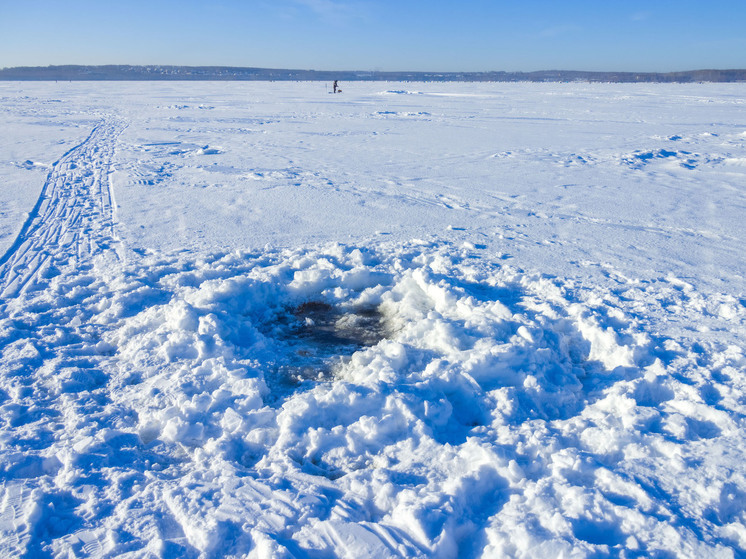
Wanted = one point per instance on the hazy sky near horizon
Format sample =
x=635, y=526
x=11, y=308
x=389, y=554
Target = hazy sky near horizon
x=434, y=35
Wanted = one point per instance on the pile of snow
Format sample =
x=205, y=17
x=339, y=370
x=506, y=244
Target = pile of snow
x=391, y=400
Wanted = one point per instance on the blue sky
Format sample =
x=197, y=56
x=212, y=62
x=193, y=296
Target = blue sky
x=474, y=35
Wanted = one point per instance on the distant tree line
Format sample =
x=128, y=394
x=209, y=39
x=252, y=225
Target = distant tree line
x=227, y=73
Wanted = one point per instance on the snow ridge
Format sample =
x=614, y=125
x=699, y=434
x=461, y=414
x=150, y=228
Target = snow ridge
x=73, y=217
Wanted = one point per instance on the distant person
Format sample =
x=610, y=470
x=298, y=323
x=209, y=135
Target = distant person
x=335, y=86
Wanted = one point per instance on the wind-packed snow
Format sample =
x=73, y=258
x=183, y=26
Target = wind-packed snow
x=449, y=320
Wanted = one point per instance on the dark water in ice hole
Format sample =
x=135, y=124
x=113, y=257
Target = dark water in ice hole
x=319, y=336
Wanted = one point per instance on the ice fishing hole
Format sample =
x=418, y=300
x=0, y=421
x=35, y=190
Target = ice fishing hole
x=318, y=336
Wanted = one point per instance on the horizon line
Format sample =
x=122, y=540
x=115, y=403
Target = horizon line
x=376, y=71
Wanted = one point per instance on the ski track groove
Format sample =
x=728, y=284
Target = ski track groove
x=73, y=218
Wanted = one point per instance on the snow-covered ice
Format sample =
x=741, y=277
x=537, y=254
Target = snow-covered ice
x=450, y=320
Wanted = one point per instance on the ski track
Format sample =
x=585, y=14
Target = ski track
x=73, y=218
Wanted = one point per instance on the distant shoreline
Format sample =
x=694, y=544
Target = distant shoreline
x=229, y=73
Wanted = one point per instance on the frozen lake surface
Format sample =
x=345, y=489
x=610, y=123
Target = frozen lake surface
x=451, y=320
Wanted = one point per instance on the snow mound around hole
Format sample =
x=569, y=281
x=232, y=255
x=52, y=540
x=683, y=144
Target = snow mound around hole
x=359, y=317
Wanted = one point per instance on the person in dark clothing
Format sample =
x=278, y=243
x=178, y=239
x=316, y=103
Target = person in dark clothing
x=335, y=86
